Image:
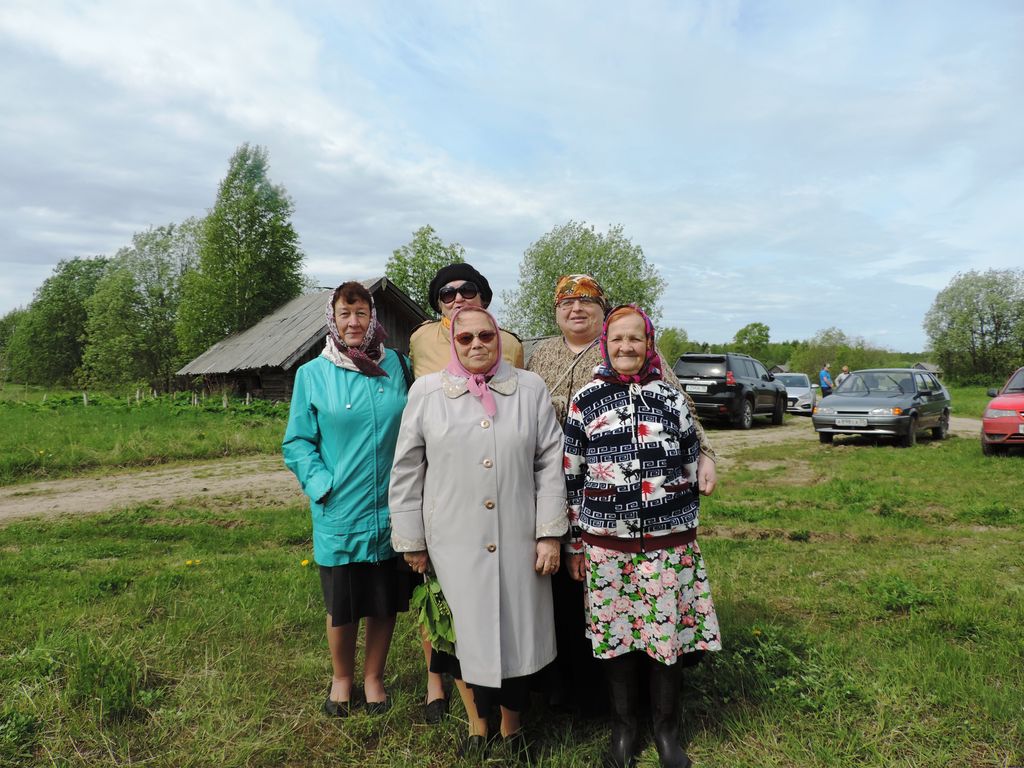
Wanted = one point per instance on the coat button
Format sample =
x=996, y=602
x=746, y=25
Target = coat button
x=489, y=504
x=488, y=463
x=492, y=547
x=485, y=423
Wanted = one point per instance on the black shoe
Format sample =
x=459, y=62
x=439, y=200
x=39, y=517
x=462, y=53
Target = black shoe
x=624, y=697
x=378, y=707
x=664, y=714
x=473, y=748
x=333, y=708
x=435, y=711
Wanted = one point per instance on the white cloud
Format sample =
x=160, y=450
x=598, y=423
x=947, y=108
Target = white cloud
x=778, y=162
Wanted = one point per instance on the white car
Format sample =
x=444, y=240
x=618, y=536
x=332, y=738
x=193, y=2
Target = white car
x=800, y=394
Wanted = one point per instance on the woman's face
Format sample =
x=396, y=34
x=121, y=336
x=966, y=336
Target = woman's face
x=458, y=300
x=352, y=320
x=627, y=343
x=579, y=318
x=477, y=355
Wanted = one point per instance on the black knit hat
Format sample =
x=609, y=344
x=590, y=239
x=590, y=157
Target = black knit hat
x=459, y=272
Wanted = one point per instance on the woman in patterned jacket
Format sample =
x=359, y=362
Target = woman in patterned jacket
x=631, y=467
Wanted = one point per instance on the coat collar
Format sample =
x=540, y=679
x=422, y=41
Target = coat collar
x=504, y=382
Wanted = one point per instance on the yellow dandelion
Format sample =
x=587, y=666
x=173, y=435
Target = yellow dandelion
x=188, y=562
x=304, y=563
x=757, y=632
x=197, y=562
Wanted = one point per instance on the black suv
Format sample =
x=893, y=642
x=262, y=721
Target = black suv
x=731, y=386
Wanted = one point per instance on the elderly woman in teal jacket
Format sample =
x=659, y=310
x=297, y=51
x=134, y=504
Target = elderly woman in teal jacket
x=345, y=412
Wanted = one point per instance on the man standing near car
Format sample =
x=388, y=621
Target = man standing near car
x=825, y=379
x=843, y=375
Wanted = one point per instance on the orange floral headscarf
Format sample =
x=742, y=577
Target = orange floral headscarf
x=571, y=286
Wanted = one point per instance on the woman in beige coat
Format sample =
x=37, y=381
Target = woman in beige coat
x=477, y=495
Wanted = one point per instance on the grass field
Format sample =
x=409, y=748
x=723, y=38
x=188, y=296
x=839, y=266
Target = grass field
x=59, y=436
x=970, y=401
x=870, y=598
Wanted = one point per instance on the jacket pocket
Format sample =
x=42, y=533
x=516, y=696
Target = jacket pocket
x=341, y=513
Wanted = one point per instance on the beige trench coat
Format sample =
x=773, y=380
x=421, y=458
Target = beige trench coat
x=476, y=493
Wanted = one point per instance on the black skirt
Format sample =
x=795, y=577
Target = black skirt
x=357, y=590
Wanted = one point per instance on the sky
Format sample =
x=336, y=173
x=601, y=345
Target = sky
x=802, y=164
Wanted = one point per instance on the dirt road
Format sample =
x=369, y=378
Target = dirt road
x=264, y=481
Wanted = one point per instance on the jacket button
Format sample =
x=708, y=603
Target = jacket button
x=485, y=423
x=489, y=504
x=488, y=463
x=492, y=547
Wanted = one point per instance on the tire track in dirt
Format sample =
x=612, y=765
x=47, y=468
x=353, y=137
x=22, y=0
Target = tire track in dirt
x=264, y=480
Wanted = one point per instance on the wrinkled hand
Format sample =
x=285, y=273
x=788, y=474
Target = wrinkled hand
x=418, y=561
x=576, y=565
x=706, y=477
x=547, y=556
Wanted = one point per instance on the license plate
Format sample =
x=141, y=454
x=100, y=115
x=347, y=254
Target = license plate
x=851, y=422
x=696, y=388
x=1020, y=429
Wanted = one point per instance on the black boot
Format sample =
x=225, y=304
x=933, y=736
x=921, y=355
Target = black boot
x=624, y=695
x=664, y=714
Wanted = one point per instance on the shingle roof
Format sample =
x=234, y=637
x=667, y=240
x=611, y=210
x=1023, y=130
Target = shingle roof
x=281, y=338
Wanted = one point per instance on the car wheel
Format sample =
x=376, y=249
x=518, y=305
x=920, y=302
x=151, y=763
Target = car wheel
x=825, y=437
x=779, y=412
x=940, y=432
x=990, y=450
x=909, y=440
x=745, y=418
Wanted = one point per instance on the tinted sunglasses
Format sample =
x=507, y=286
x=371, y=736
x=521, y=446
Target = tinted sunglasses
x=467, y=290
x=466, y=338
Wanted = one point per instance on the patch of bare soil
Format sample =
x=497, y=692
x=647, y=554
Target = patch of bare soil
x=251, y=481
x=264, y=481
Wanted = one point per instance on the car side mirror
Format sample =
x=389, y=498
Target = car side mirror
x=993, y=393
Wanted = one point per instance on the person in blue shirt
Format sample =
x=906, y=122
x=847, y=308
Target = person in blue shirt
x=825, y=380
x=340, y=442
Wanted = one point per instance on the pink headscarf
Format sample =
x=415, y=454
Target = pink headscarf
x=476, y=382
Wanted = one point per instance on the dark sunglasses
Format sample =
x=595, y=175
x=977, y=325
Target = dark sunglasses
x=466, y=338
x=467, y=290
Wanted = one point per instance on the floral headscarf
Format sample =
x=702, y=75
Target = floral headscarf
x=571, y=286
x=476, y=382
x=651, y=368
x=370, y=351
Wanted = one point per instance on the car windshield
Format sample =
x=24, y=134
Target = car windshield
x=793, y=379
x=877, y=383
x=700, y=368
x=1016, y=382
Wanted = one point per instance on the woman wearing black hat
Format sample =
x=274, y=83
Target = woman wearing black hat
x=453, y=287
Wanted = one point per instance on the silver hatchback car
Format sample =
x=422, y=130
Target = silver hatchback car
x=897, y=402
x=800, y=395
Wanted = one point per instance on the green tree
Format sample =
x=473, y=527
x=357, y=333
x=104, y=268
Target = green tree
x=7, y=325
x=752, y=339
x=414, y=265
x=249, y=259
x=673, y=342
x=47, y=344
x=144, y=285
x=115, y=352
x=616, y=263
x=975, y=326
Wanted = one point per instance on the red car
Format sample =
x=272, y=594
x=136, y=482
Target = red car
x=1003, y=425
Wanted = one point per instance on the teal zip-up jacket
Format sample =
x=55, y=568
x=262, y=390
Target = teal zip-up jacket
x=340, y=443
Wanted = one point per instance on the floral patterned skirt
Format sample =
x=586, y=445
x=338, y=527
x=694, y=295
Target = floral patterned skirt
x=656, y=602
